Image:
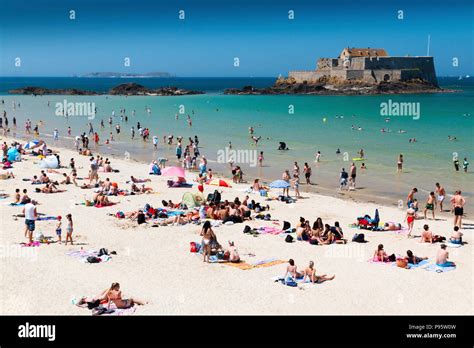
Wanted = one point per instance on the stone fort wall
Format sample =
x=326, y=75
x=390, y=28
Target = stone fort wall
x=372, y=70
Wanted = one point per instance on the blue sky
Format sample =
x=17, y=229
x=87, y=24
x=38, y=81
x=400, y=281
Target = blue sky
x=258, y=32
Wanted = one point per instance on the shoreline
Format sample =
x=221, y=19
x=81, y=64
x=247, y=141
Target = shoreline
x=315, y=189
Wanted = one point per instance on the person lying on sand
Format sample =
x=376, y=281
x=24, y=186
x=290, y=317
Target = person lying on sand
x=137, y=181
x=114, y=295
x=410, y=258
x=310, y=273
x=392, y=226
x=49, y=188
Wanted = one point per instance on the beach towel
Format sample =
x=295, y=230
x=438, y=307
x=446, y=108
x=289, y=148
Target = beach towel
x=83, y=256
x=16, y=204
x=453, y=245
x=46, y=218
x=105, y=309
x=258, y=264
x=438, y=269
x=300, y=283
x=32, y=244
x=419, y=264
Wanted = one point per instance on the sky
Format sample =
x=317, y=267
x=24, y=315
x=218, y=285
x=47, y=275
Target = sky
x=40, y=37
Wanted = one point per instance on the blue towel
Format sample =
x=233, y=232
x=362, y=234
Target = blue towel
x=421, y=263
x=439, y=269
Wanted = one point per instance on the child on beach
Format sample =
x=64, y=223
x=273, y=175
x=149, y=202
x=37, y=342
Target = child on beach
x=58, y=229
x=69, y=229
x=296, y=185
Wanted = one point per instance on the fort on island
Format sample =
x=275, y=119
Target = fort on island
x=370, y=65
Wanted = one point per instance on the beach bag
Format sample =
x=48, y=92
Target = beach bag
x=402, y=263
x=216, y=197
x=286, y=225
x=313, y=241
x=288, y=239
x=94, y=304
x=247, y=229
x=103, y=251
x=193, y=247
x=358, y=238
x=93, y=259
x=392, y=258
x=263, y=193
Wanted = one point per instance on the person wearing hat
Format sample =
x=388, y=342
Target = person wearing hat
x=31, y=214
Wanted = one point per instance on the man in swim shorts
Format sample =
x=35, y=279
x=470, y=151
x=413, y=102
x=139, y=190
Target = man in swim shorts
x=458, y=202
x=30, y=216
x=441, y=195
x=430, y=205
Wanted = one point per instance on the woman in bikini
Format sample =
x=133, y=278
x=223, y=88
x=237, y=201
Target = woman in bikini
x=310, y=273
x=208, y=237
x=380, y=255
x=291, y=271
x=69, y=229
x=410, y=219
x=114, y=295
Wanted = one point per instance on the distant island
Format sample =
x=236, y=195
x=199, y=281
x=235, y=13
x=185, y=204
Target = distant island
x=127, y=75
x=357, y=71
x=128, y=89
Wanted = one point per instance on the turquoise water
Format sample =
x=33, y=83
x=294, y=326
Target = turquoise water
x=218, y=119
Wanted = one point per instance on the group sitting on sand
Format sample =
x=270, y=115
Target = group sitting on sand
x=319, y=233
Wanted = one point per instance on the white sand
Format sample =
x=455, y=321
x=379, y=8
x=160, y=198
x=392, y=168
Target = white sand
x=155, y=264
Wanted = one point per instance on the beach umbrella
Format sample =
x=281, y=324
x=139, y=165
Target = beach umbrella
x=30, y=144
x=219, y=182
x=280, y=184
x=173, y=171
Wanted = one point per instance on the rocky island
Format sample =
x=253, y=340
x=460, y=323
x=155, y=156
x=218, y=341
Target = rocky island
x=128, y=89
x=357, y=71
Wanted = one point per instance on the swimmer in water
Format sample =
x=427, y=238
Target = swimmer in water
x=338, y=151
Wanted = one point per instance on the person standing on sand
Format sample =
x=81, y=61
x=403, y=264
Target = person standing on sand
x=430, y=205
x=286, y=177
x=441, y=193
x=69, y=229
x=296, y=185
x=307, y=173
x=458, y=203
x=400, y=163
x=31, y=214
x=410, y=219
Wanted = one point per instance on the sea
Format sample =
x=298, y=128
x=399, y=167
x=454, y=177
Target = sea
x=382, y=125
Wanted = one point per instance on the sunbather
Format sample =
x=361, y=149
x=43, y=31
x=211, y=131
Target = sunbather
x=114, y=295
x=310, y=273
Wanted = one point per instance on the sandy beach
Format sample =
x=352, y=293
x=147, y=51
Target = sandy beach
x=156, y=265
